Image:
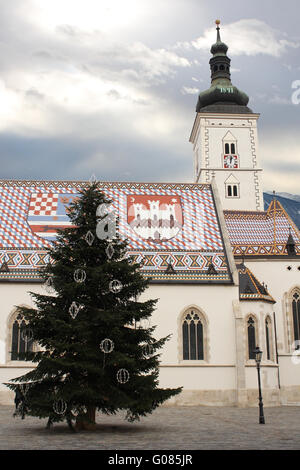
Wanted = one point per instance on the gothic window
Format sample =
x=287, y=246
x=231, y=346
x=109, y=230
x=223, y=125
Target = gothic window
x=193, y=336
x=296, y=316
x=20, y=342
x=268, y=328
x=251, y=332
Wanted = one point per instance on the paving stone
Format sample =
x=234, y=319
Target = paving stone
x=168, y=428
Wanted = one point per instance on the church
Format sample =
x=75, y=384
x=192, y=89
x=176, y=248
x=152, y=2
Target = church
x=226, y=272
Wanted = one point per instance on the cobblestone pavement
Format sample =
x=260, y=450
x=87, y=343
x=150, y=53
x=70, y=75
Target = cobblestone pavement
x=168, y=428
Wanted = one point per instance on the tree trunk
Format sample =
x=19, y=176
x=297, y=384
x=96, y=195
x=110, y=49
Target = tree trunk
x=86, y=422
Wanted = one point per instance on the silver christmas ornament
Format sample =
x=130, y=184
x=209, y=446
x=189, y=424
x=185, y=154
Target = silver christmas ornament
x=74, y=309
x=115, y=286
x=49, y=285
x=147, y=351
x=92, y=179
x=110, y=251
x=143, y=324
x=79, y=276
x=27, y=335
x=107, y=345
x=60, y=407
x=123, y=376
x=89, y=238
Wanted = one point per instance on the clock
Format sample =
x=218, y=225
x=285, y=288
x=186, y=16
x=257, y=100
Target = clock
x=230, y=161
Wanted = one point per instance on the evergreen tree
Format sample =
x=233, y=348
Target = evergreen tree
x=96, y=350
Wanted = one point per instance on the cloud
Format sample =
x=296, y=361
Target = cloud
x=280, y=100
x=280, y=165
x=105, y=88
x=189, y=90
x=59, y=77
x=247, y=37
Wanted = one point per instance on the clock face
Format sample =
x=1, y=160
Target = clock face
x=230, y=161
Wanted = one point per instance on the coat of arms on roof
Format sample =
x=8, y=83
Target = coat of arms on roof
x=49, y=212
x=155, y=217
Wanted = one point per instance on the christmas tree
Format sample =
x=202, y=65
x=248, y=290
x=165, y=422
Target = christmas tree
x=96, y=346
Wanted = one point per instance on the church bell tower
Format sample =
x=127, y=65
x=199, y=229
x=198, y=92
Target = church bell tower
x=224, y=138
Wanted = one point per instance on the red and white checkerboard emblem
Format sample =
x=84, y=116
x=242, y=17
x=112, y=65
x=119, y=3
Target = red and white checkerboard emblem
x=43, y=204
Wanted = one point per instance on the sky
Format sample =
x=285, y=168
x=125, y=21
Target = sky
x=109, y=87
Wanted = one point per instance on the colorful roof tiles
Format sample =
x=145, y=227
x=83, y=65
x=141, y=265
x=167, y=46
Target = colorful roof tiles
x=261, y=233
x=250, y=288
x=166, y=225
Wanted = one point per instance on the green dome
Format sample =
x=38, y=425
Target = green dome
x=222, y=93
x=222, y=96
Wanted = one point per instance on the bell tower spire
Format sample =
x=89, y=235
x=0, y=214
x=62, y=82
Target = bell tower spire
x=219, y=63
x=224, y=137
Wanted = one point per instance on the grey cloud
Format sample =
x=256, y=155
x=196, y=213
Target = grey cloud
x=155, y=68
x=72, y=158
x=35, y=94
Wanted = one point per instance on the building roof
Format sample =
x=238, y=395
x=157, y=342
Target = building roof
x=250, y=288
x=173, y=229
x=261, y=233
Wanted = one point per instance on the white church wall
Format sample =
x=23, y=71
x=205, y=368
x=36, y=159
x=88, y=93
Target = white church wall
x=280, y=282
x=269, y=384
x=215, y=301
x=212, y=380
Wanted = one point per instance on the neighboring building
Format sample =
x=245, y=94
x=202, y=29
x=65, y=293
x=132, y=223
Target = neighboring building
x=225, y=271
x=289, y=202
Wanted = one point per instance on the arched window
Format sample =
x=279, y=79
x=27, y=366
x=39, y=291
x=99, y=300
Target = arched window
x=268, y=327
x=251, y=331
x=296, y=315
x=193, y=336
x=235, y=190
x=227, y=149
x=20, y=339
x=232, y=148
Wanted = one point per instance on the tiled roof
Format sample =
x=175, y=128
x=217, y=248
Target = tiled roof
x=261, y=233
x=250, y=288
x=166, y=225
